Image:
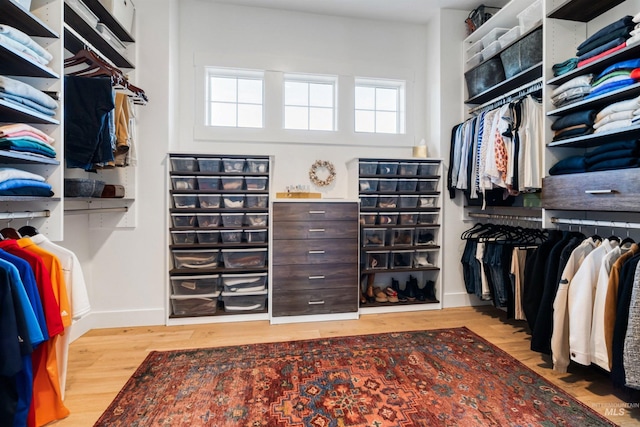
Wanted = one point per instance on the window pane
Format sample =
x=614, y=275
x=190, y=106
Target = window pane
x=321, y=119
x=296, y=93
x=222, y=114
x=223, y=89
x=365, y=121
x=321, y=95
x=249, y=116
x=386, y=99
x=250, y=91
x=386, y=122
x=365, y=98
x=296, y=118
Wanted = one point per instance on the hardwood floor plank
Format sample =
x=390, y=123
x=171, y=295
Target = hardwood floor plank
x=101, y=361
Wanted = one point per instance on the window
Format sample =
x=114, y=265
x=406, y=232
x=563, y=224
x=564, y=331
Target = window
x=309, y=102
x=379, y=106
x=235, y=98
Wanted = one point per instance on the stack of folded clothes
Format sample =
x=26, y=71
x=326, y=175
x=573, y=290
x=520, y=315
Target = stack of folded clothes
x=26, y=96
x=572, y=91
x=17, y=40
x=616, y=76
x=16, y=182
x=607, y=40
x=23, y=138
x=575, y=124
x=614, y=155
x=635, y=33
x=617, y=116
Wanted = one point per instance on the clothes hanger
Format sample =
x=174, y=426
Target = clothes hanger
x=9, y=233
x=627, y=240
x=28, y=230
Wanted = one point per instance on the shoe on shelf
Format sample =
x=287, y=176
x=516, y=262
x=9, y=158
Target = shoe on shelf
x=411, y=288
x=422, y=261
x=430, y=291
x=395, y=285
x=392, y=295
x=380, y=295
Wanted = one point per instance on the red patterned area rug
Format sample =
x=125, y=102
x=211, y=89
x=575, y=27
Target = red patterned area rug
x=448, y=377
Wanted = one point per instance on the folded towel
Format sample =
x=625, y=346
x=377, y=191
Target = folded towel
x=586, y=117
x=13, y=173
x=24, y=39
x=18, y=88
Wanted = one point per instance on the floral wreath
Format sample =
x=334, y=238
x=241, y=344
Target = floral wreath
x=322, y=164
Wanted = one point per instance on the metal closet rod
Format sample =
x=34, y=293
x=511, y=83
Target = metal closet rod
x=25, y=215
x=94, y=211
x=596, y=223
x=507, y=217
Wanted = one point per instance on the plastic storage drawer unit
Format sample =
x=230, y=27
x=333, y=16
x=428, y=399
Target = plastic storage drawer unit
x=195, y=258
x=239, y=283
x=257, y=165
x=209, y=165
x=244, y=258
x=207, y=220
x=194, y=285
x=184, y=305
x=184, y=164
x=234, y=302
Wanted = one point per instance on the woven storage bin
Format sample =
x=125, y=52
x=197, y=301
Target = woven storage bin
x=523, y=54
x=484, y=76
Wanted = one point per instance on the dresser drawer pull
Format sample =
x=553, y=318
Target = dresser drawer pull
x=316, y=252
x=316, y=302
x=598, y=191
x=316, y=230
x=317, y=212
x=316, y=277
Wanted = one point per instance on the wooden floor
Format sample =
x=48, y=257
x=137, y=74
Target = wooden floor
x=101, y=361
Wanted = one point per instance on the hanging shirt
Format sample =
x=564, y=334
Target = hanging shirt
x=580, y=302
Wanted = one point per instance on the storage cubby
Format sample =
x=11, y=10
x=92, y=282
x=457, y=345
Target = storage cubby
x=219, y=228
x=399, y=224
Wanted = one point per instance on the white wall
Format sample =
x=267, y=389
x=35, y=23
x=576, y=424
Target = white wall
x=126, y=269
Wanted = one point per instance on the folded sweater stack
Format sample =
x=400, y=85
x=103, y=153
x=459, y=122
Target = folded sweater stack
x=605, y=41
x=24, y=138
x=572, y=91
x=16, y=182
x=617, y=116
x=614, y=155
x=26, y=96
x=17, y=40
x=575, y=124
x=615, y=77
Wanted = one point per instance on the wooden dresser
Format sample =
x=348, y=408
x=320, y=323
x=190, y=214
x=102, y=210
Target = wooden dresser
x=314, y=258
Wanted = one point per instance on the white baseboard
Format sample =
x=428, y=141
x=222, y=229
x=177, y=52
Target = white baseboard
x=117, y=319
x=462, y=299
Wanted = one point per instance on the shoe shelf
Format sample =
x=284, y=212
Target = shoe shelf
x=399, y=230
x=218, y=238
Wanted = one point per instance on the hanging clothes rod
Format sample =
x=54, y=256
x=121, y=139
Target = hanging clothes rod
x=509, y=96
x=596, y=223
x=94, y=211
x=505, y=217
x=24, y=215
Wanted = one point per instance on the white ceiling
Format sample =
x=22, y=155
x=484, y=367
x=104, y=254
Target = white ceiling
x=413, y=11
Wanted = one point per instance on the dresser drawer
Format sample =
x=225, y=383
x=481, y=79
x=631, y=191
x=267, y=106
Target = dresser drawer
x=328, y=251
x=319, y=211
x=616, y=190
x=314, y=229
x=299, y=277
x=321, y=301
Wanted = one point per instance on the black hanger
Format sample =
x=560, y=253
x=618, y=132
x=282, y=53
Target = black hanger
x=9, y=233
x=28, y=230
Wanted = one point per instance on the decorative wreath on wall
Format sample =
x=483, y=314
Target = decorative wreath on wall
x=328, y=169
